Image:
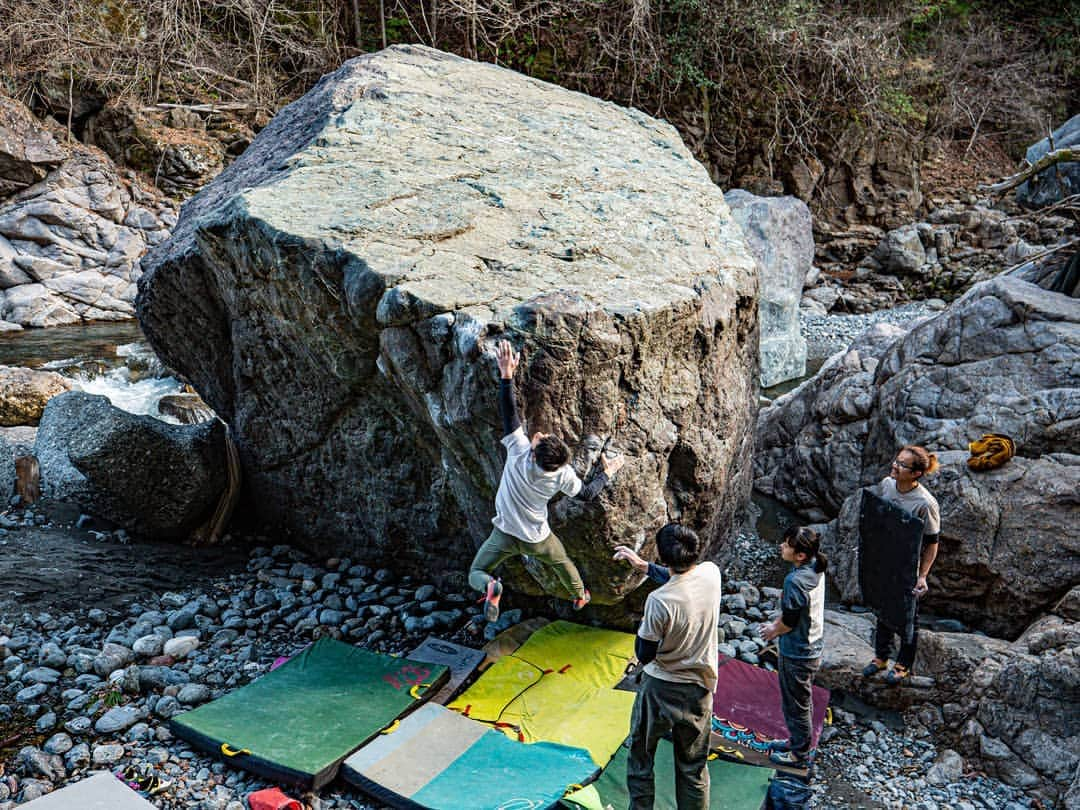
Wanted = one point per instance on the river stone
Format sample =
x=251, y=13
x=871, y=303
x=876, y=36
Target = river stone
x=111, y=658
x=108, y=754
x=117, y=719
x=1027, y=698
x=900, y=251
x=780, y=234
x=181, y=646
x=337, y=294
x=153, y=478
x=149, y=646
x=1003, y=358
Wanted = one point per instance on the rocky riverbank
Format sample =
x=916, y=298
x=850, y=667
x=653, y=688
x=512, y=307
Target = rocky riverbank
x=93, y=687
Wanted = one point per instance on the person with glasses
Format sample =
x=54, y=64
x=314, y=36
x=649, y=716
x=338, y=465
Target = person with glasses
x=903, y=487
x=535, y=471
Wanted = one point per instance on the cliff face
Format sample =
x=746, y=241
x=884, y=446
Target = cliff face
x=337, y=294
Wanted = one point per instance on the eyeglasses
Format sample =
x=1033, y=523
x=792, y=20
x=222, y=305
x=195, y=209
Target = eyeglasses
x=901, y=465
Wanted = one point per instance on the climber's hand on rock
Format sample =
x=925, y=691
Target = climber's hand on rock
x=610, y=466
x=632, y=557
x=507, y=358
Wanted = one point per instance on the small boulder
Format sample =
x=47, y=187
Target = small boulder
x=156, y=479
x=24, y=392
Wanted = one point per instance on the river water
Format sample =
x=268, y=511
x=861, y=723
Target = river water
x=110, y=359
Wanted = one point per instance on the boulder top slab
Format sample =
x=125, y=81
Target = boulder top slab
x=468, y=187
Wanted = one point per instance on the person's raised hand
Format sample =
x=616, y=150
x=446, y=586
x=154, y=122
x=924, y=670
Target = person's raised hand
x=507, y=359
x=610, y=466
x=632, y=557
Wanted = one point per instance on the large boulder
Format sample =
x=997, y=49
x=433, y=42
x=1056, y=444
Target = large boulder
x=24, y=392
x=337, y=293
x=1058, y=182
x=156, y=479
x=1003, y=358
x=70, y=242
x=780, y=234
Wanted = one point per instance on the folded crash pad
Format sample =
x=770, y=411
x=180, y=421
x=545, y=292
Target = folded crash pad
x=101, y=791
x=557, y=687
x=297, y=723
x=747, y=712
x=890, y=541
x=731, y=786
x=462, y=662
x=437, y=759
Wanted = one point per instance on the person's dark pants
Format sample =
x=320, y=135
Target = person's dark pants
x=883, y=641
x=796, y=682
x=685, y=711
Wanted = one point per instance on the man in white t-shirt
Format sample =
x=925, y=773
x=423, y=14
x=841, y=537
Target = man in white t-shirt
x=677, y=644
x=534, y=473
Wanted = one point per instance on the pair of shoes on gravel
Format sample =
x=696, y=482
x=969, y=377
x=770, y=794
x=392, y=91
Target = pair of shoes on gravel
x=148, y=783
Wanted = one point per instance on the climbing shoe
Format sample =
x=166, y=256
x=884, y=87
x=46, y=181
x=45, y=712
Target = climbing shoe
x=874, y=667
x=491, y=599
x=897, y=675
x=583, y=601
x=789, y=759
x=779, y=745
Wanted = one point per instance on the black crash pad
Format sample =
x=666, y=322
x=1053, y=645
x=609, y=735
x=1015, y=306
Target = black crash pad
x=890, y=541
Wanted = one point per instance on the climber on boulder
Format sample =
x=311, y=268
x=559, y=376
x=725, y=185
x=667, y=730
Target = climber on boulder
x=535, y=471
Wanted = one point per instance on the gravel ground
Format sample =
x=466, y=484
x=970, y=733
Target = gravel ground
x=828, y=334
x=82, y=688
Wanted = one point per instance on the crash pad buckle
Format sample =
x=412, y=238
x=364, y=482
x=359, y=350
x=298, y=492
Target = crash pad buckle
x=414, y=693
x=233, y=752
x=390, y=729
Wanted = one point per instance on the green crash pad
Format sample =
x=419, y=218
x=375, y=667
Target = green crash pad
x=296, y=724
x=438, y=760
x=731, y=786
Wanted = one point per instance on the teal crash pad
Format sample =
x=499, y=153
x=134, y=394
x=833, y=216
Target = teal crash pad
x=296, y=724
x=435, y=759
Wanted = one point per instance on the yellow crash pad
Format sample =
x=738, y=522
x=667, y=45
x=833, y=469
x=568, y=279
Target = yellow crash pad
x=557, y=687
